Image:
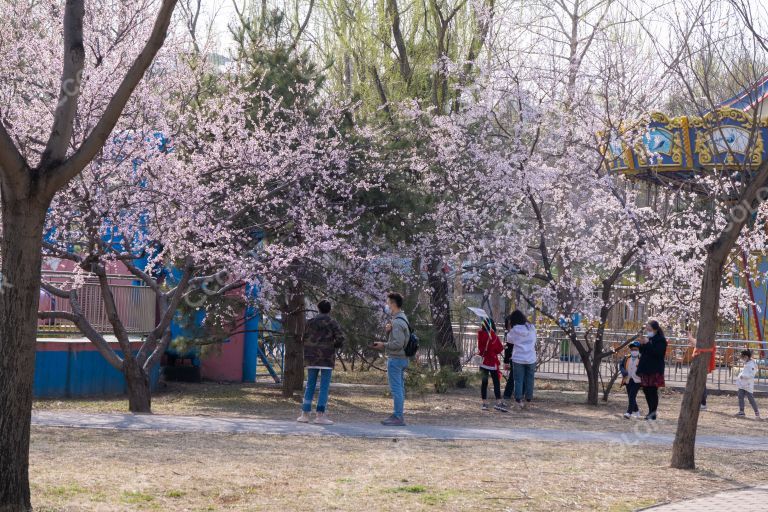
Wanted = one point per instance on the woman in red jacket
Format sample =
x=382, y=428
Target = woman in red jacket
x=489, y=347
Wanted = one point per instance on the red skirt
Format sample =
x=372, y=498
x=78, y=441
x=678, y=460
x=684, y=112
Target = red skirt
x=654, y=380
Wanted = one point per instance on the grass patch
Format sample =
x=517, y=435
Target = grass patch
x=136, y=498
x=175, y=493
x=408, y=489
x=66, y=491
x=438, y=497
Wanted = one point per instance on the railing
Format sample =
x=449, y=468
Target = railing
x=557, y=356
x=135, y=305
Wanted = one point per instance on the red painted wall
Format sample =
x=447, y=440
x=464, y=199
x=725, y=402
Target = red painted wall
x=226, y=364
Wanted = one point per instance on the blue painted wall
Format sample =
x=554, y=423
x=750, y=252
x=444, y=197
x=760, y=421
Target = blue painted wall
x=73, y=373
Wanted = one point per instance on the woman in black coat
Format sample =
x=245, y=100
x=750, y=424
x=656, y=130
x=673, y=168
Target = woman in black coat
x=653, y=349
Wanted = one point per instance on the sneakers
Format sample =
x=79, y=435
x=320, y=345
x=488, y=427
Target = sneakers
x=520, y=405
x=322, y=419
x=627, y=415
x=636, y=414
x=393, y=421
x=485, y=408
x=651, y=416
x=740, y=414
x=501, y=407
x=703, y=408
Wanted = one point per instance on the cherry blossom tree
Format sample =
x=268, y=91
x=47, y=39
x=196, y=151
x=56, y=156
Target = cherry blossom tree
x=69, y=72
x=527, y=203
x=261, y=196
x=734, y=186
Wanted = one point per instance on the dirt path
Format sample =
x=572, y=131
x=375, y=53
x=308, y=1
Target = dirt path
x=638, y=433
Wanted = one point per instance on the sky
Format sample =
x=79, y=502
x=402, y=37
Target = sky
x=221, y=12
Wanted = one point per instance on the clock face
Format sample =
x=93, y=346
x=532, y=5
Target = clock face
x=730, y=139
x=615, y=145
x=658, y=141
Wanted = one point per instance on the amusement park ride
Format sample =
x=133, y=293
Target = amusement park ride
x=733, y=136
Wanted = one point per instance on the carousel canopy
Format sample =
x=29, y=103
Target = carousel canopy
x=733, y=136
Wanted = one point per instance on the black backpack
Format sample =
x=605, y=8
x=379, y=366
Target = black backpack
x=412, y=345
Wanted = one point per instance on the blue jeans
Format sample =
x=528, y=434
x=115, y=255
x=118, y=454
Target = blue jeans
x=396, y=378
x=325, y=385
x=523, y=375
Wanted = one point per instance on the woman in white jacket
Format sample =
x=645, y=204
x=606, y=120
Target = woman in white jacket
x=523, y=336
x=746, y=382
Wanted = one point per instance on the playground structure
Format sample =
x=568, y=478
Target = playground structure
x=67, y=364
x=731, y=137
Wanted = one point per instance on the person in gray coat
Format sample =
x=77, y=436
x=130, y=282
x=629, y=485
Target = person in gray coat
x=398, y=331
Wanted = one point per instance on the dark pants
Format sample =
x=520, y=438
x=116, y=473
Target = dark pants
x=632, y=389
x=510, y=387
x=744, y=393
x=652, y=397
x=484, y=383
x=704, y=396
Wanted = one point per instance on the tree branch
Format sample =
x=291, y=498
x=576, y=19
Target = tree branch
x=55, y=178
x=69, y=91
x=13, y=168
x=402, y=52
x=101, y=344
x=303, y=26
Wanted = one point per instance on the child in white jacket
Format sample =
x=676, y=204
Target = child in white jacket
x=746, y=383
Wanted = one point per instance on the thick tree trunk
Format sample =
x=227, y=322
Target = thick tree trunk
x=294, y=318
x=593, y=381
x=139, y=394
x=440, y=308
x=19, y=297
x=683, y=449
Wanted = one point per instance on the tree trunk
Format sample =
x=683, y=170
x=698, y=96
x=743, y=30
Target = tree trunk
x=593, y=381
x=440, y=308
x=19, y=297
x=137, y=380
x=293, y=366
x=683, y=456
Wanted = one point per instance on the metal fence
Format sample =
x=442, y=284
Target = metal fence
x=557, y=356
x=135, y=305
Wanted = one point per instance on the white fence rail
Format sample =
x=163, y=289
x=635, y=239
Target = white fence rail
x=135, y=305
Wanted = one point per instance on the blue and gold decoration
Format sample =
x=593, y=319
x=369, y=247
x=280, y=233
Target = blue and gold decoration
x=679, y=148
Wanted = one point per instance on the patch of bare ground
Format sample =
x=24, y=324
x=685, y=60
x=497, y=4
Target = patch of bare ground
x=82, y=470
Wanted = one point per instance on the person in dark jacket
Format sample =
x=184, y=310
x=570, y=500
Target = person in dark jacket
x=322, y=337
x=509, y=389
x=489, y=347
x=630, y=379
x=653, y=350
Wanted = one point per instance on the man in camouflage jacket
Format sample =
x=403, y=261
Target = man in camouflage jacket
x=322, y=337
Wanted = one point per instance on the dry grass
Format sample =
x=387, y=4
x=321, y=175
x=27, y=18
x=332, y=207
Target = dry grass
x=81, y=470
x=558, y=405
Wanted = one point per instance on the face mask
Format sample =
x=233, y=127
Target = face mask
x=635, y=353
x=387, y=309
x=649, y=334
